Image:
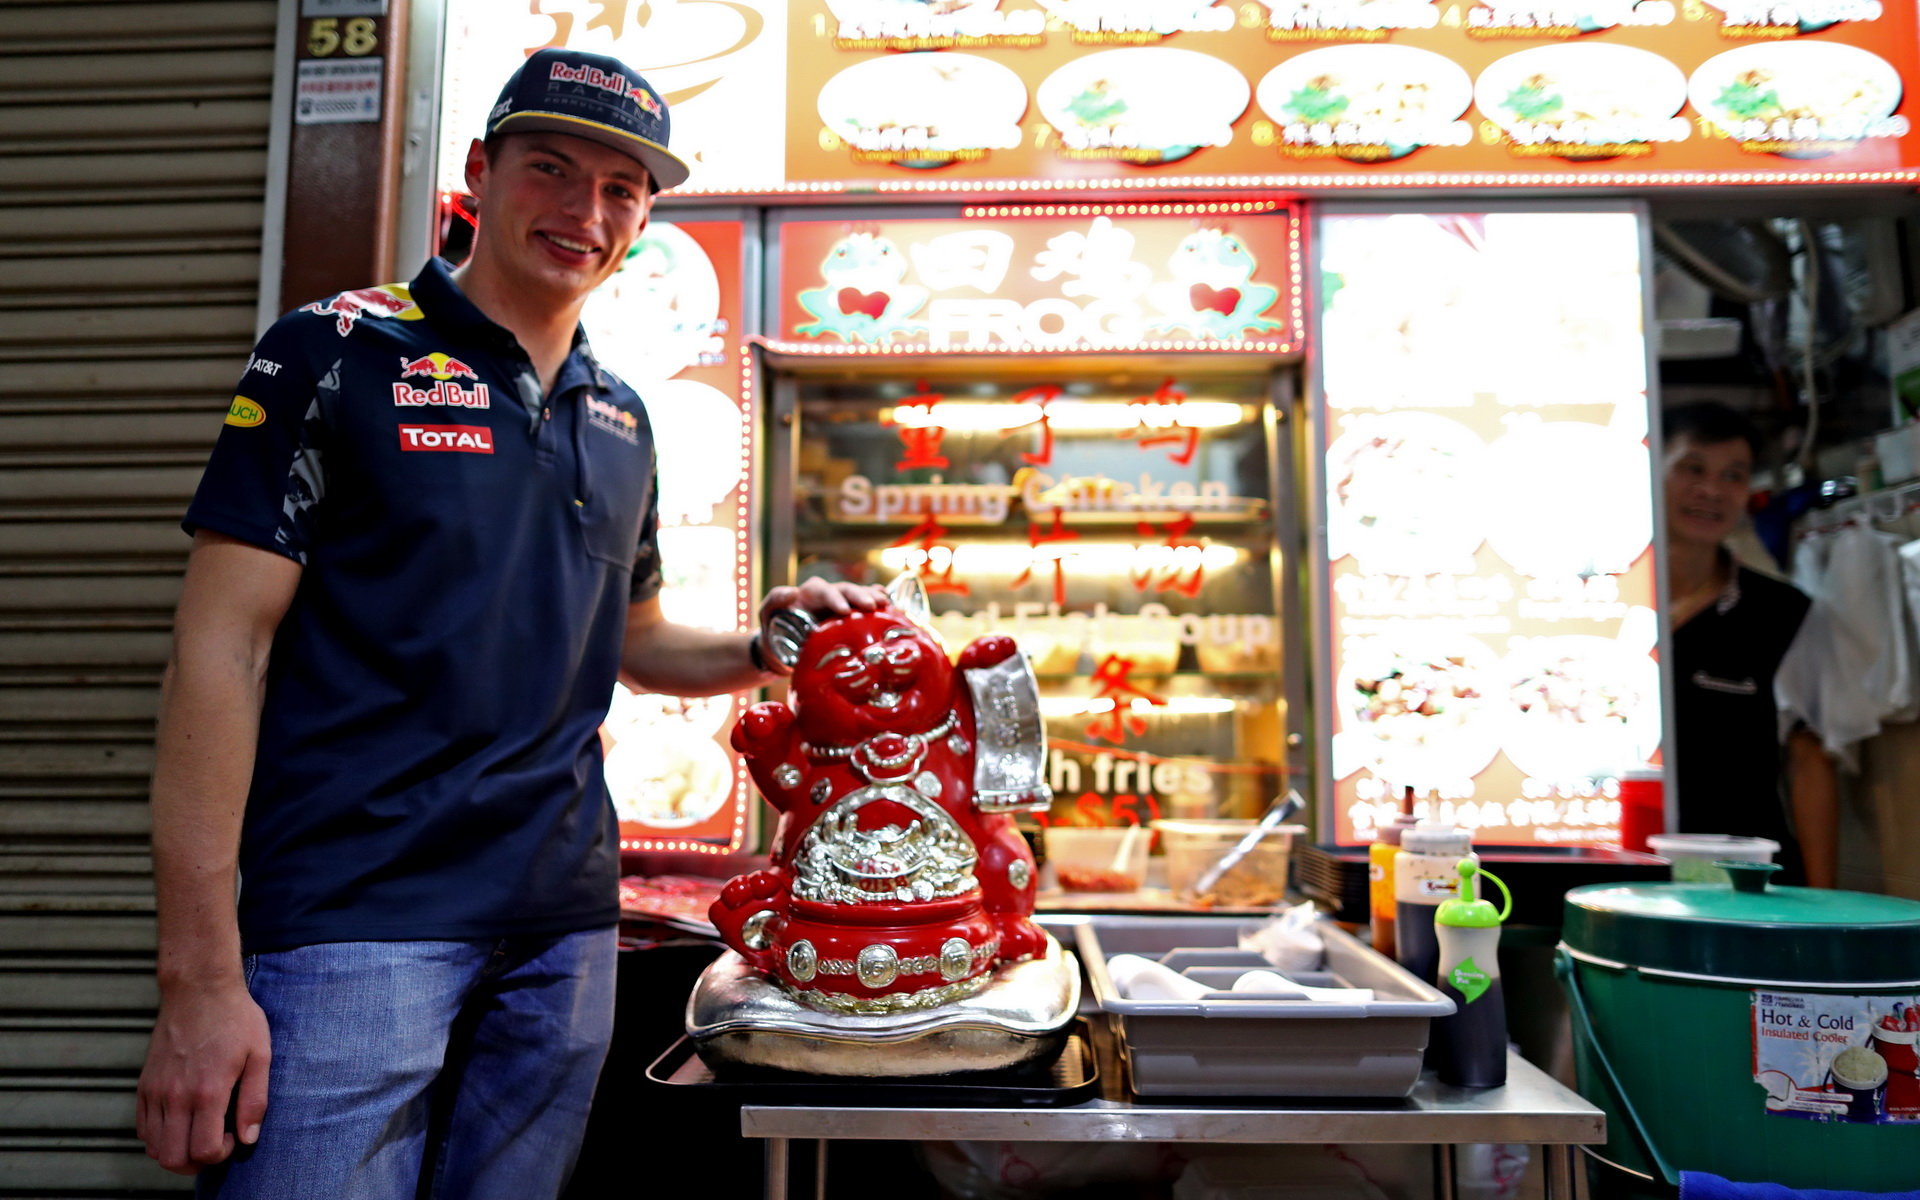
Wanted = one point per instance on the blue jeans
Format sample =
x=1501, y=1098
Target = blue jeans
x=431, y=1070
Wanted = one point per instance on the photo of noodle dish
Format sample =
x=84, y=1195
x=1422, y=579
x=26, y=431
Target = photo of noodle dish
x=1799, y=92
x=1147, y=104
x=1592, y=99
x=663, y=765
x=1582, y=500
x=668, y=784
x=1373, y=103
x=1403, y=494
x=926, y=107
x=1416, y=707
x=1580, y=707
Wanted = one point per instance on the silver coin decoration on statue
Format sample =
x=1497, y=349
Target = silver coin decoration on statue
x=802, y=960
x=877, y=966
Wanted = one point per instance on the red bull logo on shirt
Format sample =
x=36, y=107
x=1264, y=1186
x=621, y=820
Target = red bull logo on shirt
x=445, y=394
x=436, y=366
x=614, y=419
x=460, y=439
x=392, y=300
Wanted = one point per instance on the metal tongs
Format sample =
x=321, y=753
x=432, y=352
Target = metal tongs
x=1282, y=808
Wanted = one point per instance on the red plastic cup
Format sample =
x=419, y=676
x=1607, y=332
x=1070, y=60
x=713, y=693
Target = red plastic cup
x=1643, y=810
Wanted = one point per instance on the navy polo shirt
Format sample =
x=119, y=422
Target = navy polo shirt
x=429, y=760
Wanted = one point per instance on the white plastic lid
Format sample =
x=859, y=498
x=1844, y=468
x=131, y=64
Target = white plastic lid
x=1713, y=845
x=1429, y=837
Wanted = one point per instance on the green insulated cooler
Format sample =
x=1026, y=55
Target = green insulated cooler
x=1766, y=1034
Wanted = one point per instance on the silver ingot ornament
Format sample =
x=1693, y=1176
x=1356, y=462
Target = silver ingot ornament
x=787, y=775
x=837, y=862
x=1020, y=874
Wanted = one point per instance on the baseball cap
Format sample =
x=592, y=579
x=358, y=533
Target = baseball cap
x=592, y=96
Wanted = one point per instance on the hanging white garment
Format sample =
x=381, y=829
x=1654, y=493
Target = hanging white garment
x=1852, y=667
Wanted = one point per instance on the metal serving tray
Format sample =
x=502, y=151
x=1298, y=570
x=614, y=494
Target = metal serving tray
x=1237, y=1044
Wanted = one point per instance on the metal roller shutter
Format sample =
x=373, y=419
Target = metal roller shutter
x=133, y=163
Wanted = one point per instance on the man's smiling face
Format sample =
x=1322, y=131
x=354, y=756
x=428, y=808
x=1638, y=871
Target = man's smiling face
x=557, y=213
x=1707, y=485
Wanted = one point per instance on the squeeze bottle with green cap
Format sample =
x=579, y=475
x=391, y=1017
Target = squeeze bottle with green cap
x=1423, y=876
x=1470, y=1047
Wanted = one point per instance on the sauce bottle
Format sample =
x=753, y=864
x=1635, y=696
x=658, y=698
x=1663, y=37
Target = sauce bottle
x=1424, y=874
x=1380, y=898
x=1470, y=1047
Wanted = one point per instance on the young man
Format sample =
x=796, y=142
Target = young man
x=424, y=547
x=1732, y=627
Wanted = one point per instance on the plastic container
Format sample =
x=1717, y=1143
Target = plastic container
x=1425, y=874
x=1240, y=1044
x=1643, y=809
x=1098, y=859
x=1693, y=854
x=1257, y=881
x=1709, y=1021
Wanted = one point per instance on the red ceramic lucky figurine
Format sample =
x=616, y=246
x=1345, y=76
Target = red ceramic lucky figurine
x=897, y=879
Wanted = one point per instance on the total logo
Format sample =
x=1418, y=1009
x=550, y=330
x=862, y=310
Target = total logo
x=459, y=439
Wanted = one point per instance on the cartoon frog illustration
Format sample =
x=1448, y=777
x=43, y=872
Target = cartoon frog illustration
x=1212, y=293
x=863, y=296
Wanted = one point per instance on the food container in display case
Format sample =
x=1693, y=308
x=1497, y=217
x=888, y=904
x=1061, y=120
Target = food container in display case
x=1106, y=858
x=1258, y=879
x=1239, y=1044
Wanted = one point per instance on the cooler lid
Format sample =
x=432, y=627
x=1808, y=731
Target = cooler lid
x=1747, y=930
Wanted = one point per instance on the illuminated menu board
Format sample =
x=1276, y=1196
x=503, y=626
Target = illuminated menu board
x=1222, y=277
x=669, y=323
x=1031, y=95
x=1489, y=589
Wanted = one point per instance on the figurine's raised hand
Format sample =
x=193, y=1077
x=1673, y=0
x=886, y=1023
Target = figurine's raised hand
x=988, y=650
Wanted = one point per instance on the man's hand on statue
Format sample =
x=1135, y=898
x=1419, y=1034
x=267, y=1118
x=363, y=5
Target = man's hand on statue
x=823, y=599
x=209, y=1053
x=819, y=599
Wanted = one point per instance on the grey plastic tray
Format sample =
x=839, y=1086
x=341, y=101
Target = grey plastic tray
x=1236, y=1044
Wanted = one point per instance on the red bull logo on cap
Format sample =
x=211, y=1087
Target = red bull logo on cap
x=436, y=366
x=393, y=300
x=608, y=81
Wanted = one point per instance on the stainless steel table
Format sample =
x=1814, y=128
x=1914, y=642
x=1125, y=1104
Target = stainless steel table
x=1532, y=1109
